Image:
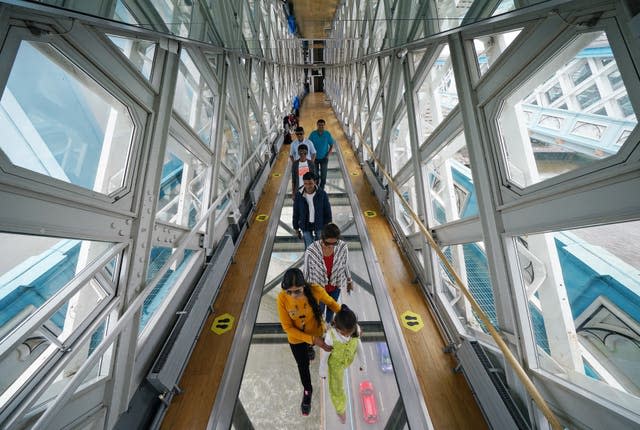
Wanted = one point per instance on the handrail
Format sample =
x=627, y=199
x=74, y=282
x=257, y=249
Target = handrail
x=515, y=365
x=128, y=315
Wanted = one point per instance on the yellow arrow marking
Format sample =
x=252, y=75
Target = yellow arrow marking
x=277, y=175
x=355, y=173
x=262, y=217
x=370, y=214
x=222, y=324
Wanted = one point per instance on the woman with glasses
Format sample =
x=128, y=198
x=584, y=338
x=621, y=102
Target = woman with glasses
x=300, y=317
x=326, y=262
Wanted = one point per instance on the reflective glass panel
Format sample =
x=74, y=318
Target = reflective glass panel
x=122, y=14
x=193, y=98
x=566, y=117
x=57, y=121
x=469, y=260
x=377, y=123
x=403, y=216
x=34, y=269
x=489, y=47
x=81, y=353
x=254, y=129
x=181, y=186
x=448, y=174
x=584, y=304
x=437, y=95
x=139, y=52
x=400, y=144
x=176, y=15
x=231, y=147
x=158, y=258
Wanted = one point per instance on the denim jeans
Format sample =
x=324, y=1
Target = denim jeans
x=321, y=170
x=307, y=236
x=329, y=315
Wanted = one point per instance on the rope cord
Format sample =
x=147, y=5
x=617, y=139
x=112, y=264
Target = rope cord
x=522, y=375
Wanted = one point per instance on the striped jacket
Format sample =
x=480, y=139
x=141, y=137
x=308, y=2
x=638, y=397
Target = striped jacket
x=315, y=271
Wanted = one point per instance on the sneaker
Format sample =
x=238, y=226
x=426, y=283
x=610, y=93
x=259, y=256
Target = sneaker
x=306, y=403
x=311, y=353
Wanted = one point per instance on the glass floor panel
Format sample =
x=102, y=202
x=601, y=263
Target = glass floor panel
x=271, y=392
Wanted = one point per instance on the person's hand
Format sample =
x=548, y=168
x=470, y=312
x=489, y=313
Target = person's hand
x=318, y=341
x=293, y=196
x=299, y=234
x=349, y=287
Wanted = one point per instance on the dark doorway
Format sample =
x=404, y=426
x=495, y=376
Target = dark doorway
x=318, y=84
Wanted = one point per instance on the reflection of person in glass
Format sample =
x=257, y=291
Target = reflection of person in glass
x=344, y=337
x=299, y=312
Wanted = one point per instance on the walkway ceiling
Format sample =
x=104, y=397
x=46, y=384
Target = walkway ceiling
x=313, y=17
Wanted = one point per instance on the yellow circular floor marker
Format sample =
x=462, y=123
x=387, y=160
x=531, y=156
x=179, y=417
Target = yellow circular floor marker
x=355, y=173
x=370, y=214
x=411, y=320
x=222, y=324
x=277, y=175
x=262, y=217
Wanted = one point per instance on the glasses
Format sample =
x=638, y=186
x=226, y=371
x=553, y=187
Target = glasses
x=329, y=243
x=299, y=134
x=294, y=291
x=302, y=152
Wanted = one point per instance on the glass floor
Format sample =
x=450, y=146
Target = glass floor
x=271, y=392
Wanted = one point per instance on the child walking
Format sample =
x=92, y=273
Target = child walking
x=344, y=337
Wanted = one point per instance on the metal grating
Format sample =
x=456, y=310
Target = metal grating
x=175, y=353
x=496, y=402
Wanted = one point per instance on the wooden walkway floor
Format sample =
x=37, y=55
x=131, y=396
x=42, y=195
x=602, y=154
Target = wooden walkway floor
x=448, y=398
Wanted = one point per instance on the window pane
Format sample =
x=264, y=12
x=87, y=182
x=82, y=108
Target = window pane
x=80, y=354
x=34, y=269
x=448, y=174
x=568, y=126
x=470, y=263
x=437, y=95
x=139, y=52
x=554, y=93
x=193, y=98
x=581, y=73
x=615, y=79
x=181, y=187
x=122, y=14
x=400, y=145
x=584, y=303
x=176, y=15
x=231, y=147
x=57, y=121
x=159, y=256
x=376, y=125
x=254, y=129
x=406, y=221
x=490, y=47
x=374, y=81
x=588, y=96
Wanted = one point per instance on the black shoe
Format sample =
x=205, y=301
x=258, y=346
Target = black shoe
x=306, y=403
x=311, y=353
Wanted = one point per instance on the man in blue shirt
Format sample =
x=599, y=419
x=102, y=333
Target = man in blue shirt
x=323, y=143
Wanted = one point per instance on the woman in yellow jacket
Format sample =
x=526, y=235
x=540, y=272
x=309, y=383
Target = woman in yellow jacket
x=299, y=312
